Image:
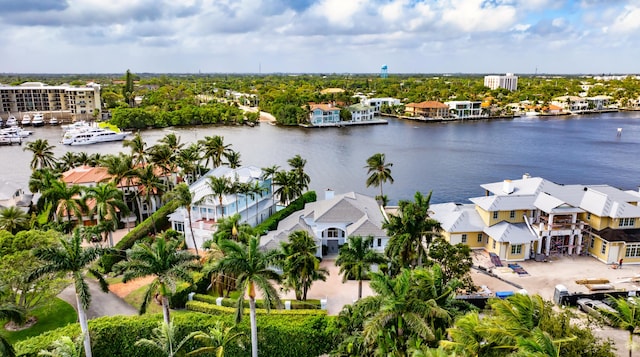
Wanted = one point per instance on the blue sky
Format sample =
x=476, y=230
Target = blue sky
x=320, y=36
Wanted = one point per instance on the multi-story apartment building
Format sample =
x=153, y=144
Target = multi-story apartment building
x=508, y=81
x=521, y=219
x=64, y=100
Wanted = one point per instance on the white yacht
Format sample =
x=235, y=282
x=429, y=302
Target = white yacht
x=11, y=121
x=38, y=119
x=10, y=139
x=26, y=120
x=92, y=136
x=53, y=121
x=15, y=130
x=78, y=125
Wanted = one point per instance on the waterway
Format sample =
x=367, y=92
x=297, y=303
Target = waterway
x=451, y=159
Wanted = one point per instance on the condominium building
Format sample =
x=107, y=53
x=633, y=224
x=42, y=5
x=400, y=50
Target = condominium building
x=508, y=81
x=76, y=102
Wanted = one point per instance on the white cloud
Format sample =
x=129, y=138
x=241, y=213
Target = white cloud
x=478, y=15
x=628, y=21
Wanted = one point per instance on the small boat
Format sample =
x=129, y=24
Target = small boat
x=26, y=120
x=38, y=119
x=11, y=121
x=10, y=139
x=53, y=121
x=15, y=130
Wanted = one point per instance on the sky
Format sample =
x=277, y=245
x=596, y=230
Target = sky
x=320, y=36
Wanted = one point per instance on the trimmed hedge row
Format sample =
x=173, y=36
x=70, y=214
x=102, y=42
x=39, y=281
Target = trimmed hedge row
x=271, y=223
x=295, y=304
x=115, y=336
x=140, y=231
x=213, y=309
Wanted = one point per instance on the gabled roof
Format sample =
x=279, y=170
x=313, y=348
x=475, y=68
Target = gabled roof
x=606, y=201
x=457, y=218
x=550, y=204
x=504, y=203
x=324, y=107
x=86, y=174
x=511, y=233
x=527, y=186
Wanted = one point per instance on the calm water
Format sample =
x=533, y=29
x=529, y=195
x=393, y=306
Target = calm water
x=452, y=159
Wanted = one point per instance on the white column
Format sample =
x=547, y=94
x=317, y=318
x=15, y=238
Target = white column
x=547, y=245
x=579, y=244
x=571, y=248
x=539, y=246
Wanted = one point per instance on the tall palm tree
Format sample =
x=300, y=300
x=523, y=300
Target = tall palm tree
x=189, y=162
x=182, y=194
x=233, y=159
x=13, y=219
x=42, y=179
x=108, y=201
x=71, y=257
x=297, y=164
x=11, y=313
x=355, y=259
x=252, y=267
x=256, y=190
x=152, y=186
x=172, y=142
x=219, y=186
x=65, y=199
x=379, y=171
x=411, y=231
x=230, y=227
x=163, y=157
x=214, y=149
x=269, y=173
x=67, y=161
x=299, y=263
x=138, y=148
x=162, y=260
x=287, y=186
x=42, y=154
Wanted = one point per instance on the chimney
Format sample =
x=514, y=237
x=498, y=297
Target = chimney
x=507, y=187
x=328, y=194
x=526, y=176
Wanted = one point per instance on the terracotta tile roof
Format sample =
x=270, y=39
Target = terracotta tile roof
x=323, y=107
x=428, y=104
x=86, y=174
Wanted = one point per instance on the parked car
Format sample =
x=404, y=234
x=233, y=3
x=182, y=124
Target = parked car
x=595, y=308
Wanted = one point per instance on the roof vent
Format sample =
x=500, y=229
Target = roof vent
x=507, y=187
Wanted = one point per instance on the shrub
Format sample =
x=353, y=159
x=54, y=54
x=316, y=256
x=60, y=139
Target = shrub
x=115, y=336
x=271, y=223
x=295, y=305
x=140, y=231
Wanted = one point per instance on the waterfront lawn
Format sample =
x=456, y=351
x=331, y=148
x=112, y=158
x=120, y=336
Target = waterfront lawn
x=51, y=316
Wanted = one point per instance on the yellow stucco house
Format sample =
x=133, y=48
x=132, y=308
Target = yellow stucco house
x=533, y=217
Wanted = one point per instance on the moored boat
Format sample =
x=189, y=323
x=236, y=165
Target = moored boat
x=10, y=139
x=92, y=136
x=26, y=120
x=53, y=121
x=38, y=119
x=15, y=130
x=11, y=121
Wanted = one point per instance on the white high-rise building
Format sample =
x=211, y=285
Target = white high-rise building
x=508, y=81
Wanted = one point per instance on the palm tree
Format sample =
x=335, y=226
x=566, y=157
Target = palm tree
x=409, y=305
x=355, y=259
x=379, y=171
x=164, y=340
x=219, y=186
x=256, y=190
x=152, y=186
x=411, y=231
x=287, y=186
x=163, y=157
x=108, y=201
x=269, y=173
x=189, y=161
x=214, y=149
x=13, y=219
x=299, y=263
x=41, y=179
x=65, y=199
x=297, y=164
x=11, y=313
x=233, y=159
x=172, y=142
x=67, y=161
x=182, y=194
x=230, y=227
x=627, y=317
x=71, y=257
x=162, y=260
x=219, y=337
x=42, y=154
x=252, y=267
x=137, y=146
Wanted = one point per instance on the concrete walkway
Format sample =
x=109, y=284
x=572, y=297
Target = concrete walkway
x=102, y=304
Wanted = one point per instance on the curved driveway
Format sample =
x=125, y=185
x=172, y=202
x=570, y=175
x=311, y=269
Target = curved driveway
x=102, y=304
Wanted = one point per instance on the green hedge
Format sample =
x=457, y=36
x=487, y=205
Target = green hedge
x=295, y=305
x=140, y=231
x=141, y=118
x=115, y=336
x=271, y=223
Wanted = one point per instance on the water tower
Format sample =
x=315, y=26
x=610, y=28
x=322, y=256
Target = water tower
x=383, y=71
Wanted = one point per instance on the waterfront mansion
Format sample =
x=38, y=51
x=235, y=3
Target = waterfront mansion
x=533, y=218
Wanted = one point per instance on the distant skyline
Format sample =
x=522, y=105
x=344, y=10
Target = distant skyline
x=320, y=36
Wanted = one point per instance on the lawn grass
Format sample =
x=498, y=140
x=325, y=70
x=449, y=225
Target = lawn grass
x=56, y=314
x=135, y=299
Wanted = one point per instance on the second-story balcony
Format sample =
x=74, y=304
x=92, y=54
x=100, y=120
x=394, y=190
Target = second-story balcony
x=560, y=224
